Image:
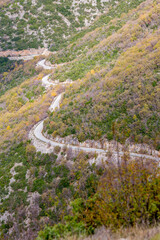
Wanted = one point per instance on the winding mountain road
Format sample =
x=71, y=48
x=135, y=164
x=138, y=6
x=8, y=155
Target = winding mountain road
x=38, y=128
x=46, y=83
x=43, y=65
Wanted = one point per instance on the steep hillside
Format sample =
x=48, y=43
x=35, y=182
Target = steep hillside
x=23, y=102
x=106, y=77
x=33, y=24
x=117, y=92
x=12, y=73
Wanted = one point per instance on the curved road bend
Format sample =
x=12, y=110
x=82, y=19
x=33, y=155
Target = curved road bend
x=55, y=104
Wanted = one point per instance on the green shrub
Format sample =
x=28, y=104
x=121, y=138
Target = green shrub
x=57, y=149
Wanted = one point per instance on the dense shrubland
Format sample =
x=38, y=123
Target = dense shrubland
x=117, y=92
x=127, y=194
x=6, y=64
x=13, y=73
x=70, y=196
x=53, y=181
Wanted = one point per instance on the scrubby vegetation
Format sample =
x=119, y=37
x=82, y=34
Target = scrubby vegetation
x=47, y=184
x=76, y=197
x=114, y=66
x=118, y=84
x=23, y=102
x=6, y=64
x=27, y=24
x=125, y=195
x=13, y=73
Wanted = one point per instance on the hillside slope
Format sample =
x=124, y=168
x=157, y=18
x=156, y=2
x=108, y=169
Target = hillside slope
x=114, y=95
x=33, y=24
x=117, y=92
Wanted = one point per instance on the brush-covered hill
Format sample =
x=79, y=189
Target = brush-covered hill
x=51, y=24
x=114, y=65
x=116, y=69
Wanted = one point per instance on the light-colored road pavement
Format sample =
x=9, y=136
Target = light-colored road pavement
x=46, y=83
x=43, y=65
